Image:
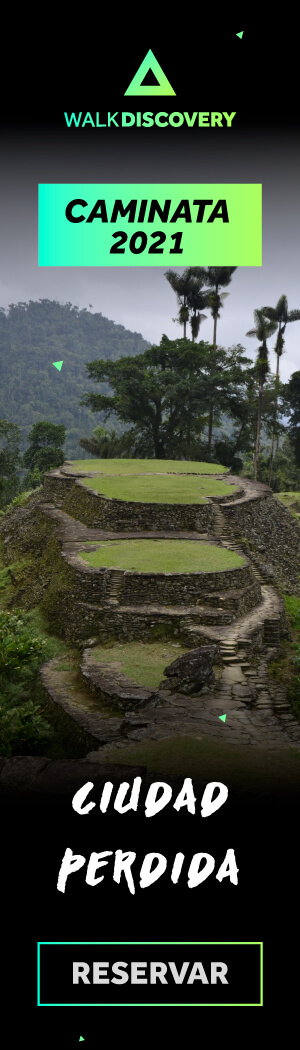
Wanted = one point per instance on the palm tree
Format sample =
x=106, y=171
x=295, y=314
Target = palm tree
x=190, y=296
x=181, y=284
x=263, y=330
x=198, y=298
x=282, y=316
x=216, y=277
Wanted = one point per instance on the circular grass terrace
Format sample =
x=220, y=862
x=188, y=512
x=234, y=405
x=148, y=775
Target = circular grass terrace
x=143, y=663
x=148, y=466
x=159, y=488
x=159, y=556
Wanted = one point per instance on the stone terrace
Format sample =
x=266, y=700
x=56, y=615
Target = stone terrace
x=240, y=609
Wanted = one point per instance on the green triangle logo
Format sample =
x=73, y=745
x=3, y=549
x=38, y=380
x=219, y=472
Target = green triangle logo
x=240, y=34
x=223, y=718
x=57, y=364
x=136, y=87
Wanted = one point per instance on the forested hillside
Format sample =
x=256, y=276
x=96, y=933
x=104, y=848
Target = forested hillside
x=32, y=336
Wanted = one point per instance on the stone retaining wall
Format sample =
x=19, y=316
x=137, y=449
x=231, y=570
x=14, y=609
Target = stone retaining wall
x=81, y=621
x=95, y=510
x=180, y=588
x=140, y=588
x=126, y=625
x=273, y=534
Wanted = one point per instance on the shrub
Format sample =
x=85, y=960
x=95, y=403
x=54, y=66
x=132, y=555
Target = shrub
x=21, y=652
x=21, y=727
x=19, y=644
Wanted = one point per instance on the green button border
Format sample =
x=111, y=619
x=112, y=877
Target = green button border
x=40, y=943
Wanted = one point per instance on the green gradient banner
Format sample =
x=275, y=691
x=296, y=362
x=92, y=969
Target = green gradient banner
x=129, y=224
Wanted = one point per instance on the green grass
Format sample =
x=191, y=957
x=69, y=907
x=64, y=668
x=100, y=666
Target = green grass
x=142, y=663
x=285, y=668
x=159, y=489
x=163, y=556
x=20, y=499
x=135, y=466
x=54, y=646
x=292, y=605
x=291, y=500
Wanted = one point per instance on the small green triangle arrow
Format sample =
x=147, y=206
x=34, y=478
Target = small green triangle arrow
x=240, y=34
x=223, y=718
x=57, y=364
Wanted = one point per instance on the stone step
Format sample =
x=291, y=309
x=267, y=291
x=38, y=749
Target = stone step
x=281, y=707
x=213, y=616
x=115, y=583
x=228, y=650
x=230, y=660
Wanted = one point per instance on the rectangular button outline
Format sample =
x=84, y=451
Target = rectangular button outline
x=142, y=943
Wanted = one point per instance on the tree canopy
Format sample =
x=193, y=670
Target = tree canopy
x=292, y=404
x=166, y=394
x=44, y=451
x=10, y=439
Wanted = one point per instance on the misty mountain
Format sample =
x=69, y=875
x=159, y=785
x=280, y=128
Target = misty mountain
x=32, y=336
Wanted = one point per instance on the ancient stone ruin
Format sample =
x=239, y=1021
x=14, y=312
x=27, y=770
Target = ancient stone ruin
x=230, y=622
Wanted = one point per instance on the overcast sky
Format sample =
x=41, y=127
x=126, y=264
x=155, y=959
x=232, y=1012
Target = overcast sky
x=141, y=298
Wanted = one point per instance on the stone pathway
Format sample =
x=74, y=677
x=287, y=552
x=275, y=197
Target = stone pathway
x=256, y=713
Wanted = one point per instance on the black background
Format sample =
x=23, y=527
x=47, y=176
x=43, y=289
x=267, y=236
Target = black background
x=242, y=976
x=263, y=906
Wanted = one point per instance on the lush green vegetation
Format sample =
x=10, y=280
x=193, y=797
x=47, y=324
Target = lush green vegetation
x=142, y=663
x=167, y=395
x=44, y=452
x=286, y=668
x=292, y=605
x=17, y=501
x=10, y=440
x=179, y=399
x=32, y=336
x=147, y=466
x=30, y=721
x=285, y=469
x=166, y=488
x=291, y=500
x=21, y=652
x=182, y=398
x=292, y=402
x=163, y=556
